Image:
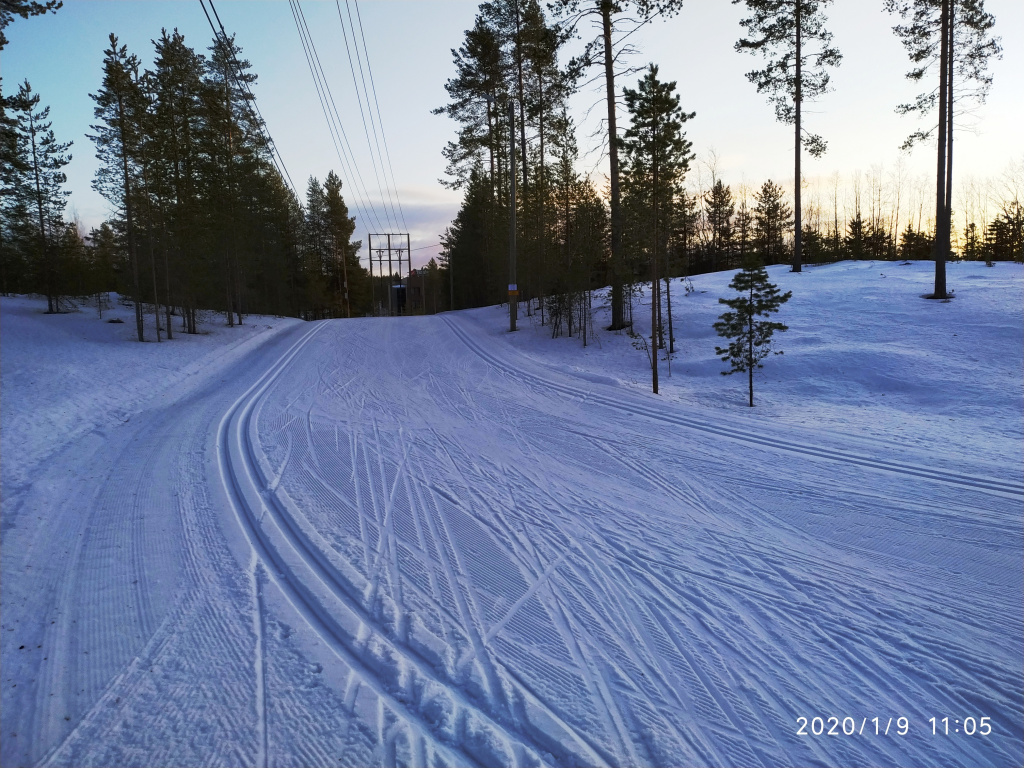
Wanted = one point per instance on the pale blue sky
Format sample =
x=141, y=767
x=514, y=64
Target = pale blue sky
x=409, y=44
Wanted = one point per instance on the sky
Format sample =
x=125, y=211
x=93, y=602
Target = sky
x=408, y=42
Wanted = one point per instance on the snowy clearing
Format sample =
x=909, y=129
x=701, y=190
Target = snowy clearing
x=425, y=541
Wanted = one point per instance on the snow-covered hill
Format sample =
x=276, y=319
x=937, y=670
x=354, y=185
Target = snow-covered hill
x=427, y=541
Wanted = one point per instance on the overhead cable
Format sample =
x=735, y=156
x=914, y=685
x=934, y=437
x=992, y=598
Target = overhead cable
x=343, y=147
x=383, y=136
x=221, y=38
x=362, y=114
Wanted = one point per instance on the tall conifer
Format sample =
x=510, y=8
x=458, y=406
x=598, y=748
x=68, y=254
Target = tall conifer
x=791, y=34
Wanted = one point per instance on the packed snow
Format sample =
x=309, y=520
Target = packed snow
x=427, y=541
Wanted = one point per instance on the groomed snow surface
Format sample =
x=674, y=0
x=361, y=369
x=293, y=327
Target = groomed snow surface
x=427, y=541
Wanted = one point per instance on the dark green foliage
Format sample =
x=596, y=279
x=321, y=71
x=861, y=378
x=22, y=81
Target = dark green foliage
x=475, y=92
x=23, y=8
x=474, y=252
x=204, y=219
x=772, y=219
x=719, y=208
x=509, y=59
x=773, y=27
x=599, y=51
x=750, y=334
x=972, y=49
x=914, y=245
x=856, y=240
x=656, y=155
x=37, y=194
x=1004, y=236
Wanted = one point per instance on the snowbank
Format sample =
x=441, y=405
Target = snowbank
x=865, y=355
x=62, y=376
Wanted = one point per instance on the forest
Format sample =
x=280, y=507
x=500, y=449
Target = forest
x=206, y=221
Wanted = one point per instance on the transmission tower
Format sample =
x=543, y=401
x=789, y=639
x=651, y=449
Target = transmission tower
x=388, y=290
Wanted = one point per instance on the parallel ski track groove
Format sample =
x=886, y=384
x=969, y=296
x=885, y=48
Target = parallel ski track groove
x=979, y=483
x=281, y=573
x=236, y=424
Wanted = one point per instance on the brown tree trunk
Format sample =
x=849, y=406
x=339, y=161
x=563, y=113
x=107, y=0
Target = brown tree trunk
x=797, y=213
x=941, y=245
x=617, y=297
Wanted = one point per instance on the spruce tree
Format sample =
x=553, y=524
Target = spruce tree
x=772, y=219
x=340, y=227
x=719, y=207
x=791, y=34
x=746, y=324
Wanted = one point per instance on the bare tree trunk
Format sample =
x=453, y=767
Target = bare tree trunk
x=797, y=212
x=750, y=351
x=941, y=245
x=618, y=321
x=671, y=333
x=949, y=120
x=655, y=300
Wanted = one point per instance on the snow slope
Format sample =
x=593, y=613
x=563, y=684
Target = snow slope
x=64, y=375
x=425, y=541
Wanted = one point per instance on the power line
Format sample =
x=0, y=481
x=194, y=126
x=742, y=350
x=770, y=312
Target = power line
x=250, y=102
x=316, y=68
x=377, y=107
x=336, y=131
x=362, y=112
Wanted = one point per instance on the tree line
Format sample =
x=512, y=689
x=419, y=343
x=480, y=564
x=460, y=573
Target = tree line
x=204, y=219
x=648, y=223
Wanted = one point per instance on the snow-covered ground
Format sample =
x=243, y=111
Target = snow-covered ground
x=427, y=541
x=65, y=375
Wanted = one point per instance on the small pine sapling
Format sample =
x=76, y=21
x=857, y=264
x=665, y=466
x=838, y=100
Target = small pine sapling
x=751, y=338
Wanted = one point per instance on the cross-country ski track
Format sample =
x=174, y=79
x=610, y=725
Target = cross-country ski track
x=394, y=542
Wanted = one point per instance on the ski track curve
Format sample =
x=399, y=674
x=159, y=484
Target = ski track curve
x=396, y=550
x=532, y=601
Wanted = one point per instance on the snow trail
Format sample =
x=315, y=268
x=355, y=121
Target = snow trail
x=381, y=542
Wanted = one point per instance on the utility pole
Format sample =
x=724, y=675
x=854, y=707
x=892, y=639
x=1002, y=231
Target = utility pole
x=513, y=289
x=393, y=249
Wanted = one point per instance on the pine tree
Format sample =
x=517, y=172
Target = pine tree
x=42, y=158
x=787, y=30
x=475, y=92
x=120, y=106
x=656, y=157
x=23, y=8
x=743, y=227
x=177, y=128
x=751, y=337
x=573, y=12
x=951, y=36
x=772, y=219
